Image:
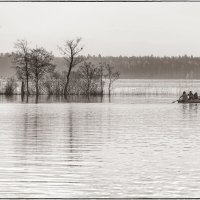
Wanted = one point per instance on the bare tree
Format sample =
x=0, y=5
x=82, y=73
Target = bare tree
x=40, y=65
x=10, y=86
x=89, y=75
x=101, y=73
x=53, y=83
x=112, y=76
x=21, y=62
x=71, y=52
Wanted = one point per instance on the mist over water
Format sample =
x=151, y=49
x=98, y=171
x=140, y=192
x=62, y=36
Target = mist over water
x=124, y=146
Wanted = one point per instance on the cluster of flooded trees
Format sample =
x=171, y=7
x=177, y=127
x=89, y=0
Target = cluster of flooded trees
x=37, y=72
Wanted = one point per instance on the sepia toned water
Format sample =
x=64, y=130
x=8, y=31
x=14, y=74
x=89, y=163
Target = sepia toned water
x=123, y=146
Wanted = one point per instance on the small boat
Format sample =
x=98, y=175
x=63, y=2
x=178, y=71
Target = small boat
x=189, y=101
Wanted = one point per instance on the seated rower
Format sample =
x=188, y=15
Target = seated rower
x=184, y=97
x=190, y=95
x=196, y=95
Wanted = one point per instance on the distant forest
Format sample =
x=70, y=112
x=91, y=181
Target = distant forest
x=145, y=67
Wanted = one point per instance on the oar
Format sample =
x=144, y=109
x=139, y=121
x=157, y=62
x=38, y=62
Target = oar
x=174, y=101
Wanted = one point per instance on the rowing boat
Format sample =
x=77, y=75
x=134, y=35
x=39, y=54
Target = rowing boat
x=190, y=101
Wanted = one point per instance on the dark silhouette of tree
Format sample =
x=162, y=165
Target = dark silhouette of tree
x=71, y=55
x=89, y=75
x=22, y=89
x=10, y=86
x=101, y=74
x=111, y=76
x=40, y=65
x=21, y=62
x=54, y=83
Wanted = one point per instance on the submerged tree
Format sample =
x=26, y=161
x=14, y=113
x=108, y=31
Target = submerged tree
x=53, y=83
x=10, y=86
x=101, y=74
x=111, y=76
x=21, y=62
x=40, y=65
x=71, y=52
x=89, y=75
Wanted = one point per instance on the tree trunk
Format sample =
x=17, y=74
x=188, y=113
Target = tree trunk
x=26, y=98
x=66, y=87
x=109, y=89
x=37, y=88
x=27, y=89
x=36, y=99
x=22, y=89
x=88, y=90
x=101, y=85
x=66, y=92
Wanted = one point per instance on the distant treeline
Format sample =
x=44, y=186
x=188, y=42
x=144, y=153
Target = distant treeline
x=151, y=67
x=145, y=67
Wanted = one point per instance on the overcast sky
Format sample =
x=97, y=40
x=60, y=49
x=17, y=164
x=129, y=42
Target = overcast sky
x=127, y=29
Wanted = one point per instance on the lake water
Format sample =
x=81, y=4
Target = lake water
x=124, y=146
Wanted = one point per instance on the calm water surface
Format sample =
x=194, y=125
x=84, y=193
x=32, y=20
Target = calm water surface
x=126, y=146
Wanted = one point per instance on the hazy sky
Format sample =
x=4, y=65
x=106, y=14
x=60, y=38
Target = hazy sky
x=113, y=29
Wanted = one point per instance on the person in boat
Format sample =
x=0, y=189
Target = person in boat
x=190, y=95
x=184, y=97
x=196, y=95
